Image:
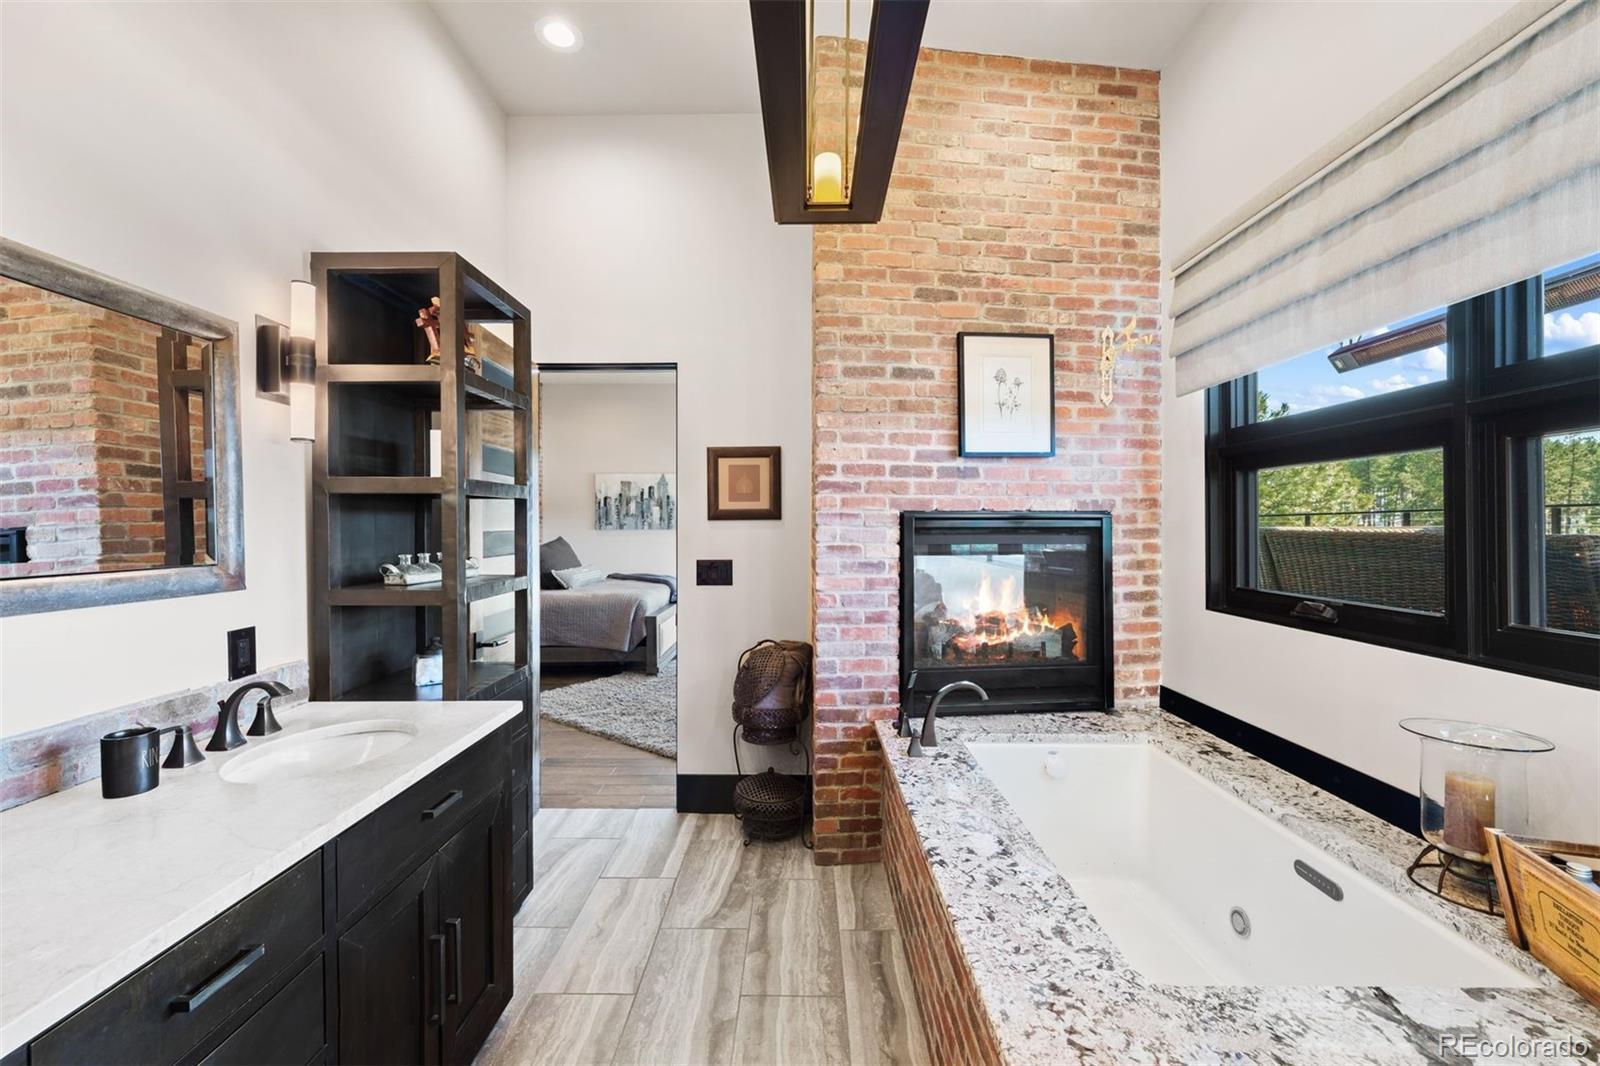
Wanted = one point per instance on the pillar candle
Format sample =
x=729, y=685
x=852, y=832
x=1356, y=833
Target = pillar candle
x=1468, y=808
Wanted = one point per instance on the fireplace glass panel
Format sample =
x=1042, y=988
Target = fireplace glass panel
x=996, y=601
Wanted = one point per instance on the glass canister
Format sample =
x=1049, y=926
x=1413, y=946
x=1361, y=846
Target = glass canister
x=1473, y=777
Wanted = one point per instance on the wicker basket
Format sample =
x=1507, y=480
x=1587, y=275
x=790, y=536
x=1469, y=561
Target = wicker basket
x=771, y=692
x=771, y=805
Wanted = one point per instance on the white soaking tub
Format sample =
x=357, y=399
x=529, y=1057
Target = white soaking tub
x=1195, y=887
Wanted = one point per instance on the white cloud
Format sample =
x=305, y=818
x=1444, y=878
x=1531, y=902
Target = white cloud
x=1572, y=331
x=1393, y=383
x=1432, y=360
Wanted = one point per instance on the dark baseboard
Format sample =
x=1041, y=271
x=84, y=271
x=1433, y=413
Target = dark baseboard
x=708, y=793
x=1378, y=798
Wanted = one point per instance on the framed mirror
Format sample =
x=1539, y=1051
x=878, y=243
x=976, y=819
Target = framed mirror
x=119, y=441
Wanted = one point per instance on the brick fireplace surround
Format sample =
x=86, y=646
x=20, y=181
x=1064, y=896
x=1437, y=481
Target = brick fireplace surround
x=1025, y=198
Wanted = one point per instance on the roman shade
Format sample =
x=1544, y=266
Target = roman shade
x=1484, y=171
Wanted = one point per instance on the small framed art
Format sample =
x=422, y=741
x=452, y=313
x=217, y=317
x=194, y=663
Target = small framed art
x=744, y=483
x=1006, y=387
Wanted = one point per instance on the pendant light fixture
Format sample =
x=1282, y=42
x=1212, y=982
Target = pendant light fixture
x=830, y=146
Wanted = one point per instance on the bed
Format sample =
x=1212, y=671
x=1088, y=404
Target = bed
x=623, y=619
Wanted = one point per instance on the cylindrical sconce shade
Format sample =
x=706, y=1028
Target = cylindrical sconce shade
x=827, y=179
x=300, y=371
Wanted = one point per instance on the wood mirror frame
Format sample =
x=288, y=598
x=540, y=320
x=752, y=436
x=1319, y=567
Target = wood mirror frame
x=61, y=592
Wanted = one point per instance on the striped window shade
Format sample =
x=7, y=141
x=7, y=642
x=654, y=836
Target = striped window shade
x=1484, y=171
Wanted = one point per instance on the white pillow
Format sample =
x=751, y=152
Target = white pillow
x=576, y=577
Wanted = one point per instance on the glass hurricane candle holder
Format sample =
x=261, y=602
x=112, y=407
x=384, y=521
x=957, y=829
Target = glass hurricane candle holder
x=1473, y=777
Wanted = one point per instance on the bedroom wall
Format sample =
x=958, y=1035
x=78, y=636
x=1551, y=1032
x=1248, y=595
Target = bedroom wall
x=649, y=238
x=1257, y=88
x=605, y=428
x=305, y=137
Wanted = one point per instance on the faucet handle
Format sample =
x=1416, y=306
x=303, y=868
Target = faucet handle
x=184, y=751
x=266, y=723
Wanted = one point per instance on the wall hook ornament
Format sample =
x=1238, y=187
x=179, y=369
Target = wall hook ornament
x=1112, y=344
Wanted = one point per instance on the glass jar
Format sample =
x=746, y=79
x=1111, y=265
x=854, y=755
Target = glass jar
x=1473, y=777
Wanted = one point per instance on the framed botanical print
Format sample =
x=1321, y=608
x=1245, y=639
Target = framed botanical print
x=744, y=483
x=1006, y=385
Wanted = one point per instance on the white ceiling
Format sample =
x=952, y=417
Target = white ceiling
x=696, y=56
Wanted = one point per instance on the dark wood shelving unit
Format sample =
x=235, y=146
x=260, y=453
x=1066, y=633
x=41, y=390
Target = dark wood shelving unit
x=379, y=491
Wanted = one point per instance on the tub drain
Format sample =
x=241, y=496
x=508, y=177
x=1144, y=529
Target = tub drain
x=1240, y=921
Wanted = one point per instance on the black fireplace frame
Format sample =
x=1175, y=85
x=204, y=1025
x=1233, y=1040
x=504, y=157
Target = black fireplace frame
x=1027, y=689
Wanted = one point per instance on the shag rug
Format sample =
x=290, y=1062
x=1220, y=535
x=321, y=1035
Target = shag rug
x=631, y=707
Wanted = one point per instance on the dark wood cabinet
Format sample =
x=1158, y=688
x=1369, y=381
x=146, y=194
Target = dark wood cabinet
x=389, y=945
x=474, y=912
x=391, y=977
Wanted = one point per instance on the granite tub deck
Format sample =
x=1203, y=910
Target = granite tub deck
x=1055, y=988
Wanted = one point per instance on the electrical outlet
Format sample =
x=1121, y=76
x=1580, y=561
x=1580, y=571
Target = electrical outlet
x=713, y=572
x=241, y=652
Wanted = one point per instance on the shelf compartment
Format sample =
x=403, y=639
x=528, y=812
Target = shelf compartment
x=481, y=676
x=377, y=594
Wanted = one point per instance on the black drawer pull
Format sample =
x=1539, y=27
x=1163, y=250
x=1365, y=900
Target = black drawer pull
x=443, y=805
x=437, y=939
x=221, y=979
x=453, y=927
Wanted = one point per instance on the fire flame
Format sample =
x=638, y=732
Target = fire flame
x=999, y=617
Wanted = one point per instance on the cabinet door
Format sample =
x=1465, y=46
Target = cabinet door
x=391, y=977
x=475, y=914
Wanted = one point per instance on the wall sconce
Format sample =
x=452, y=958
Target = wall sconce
x=286, y=360
x=1112, y=344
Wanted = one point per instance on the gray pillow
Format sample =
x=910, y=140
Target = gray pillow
x=555, y=555
x=578, y=576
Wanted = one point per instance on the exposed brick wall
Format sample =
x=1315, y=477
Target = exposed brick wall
x=1025, y=198
x=80, y=443
x=959, y=1031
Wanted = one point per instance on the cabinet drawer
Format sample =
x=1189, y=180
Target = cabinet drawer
x=390, y=841
x=164, y=1009
x=290, y=1028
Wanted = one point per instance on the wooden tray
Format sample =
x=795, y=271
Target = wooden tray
x=1549, y=912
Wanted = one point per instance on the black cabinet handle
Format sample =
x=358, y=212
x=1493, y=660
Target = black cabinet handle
x=221, y=979
x=443, y=805
x=438, y=968
x=453, y=927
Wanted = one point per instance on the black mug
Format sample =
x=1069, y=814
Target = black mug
x=130, y=761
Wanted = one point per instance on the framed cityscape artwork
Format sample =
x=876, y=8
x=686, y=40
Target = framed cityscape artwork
x=636, y=501
x=1006, y=387
x=744, y=483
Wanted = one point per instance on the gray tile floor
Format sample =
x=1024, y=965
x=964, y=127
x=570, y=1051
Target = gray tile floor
x=657, y=937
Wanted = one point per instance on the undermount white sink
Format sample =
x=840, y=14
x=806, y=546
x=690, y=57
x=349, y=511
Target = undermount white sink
x=319, y=751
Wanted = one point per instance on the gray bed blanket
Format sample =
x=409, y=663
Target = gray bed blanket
x=609, y=614
x=659, y=579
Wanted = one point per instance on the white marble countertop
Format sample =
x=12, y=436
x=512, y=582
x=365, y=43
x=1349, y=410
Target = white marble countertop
x=91, y=889
x=1056, y=988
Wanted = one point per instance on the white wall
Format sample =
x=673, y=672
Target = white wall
x=203, y=150
x=650, y=239
x=1257, y=88
x=605, y=428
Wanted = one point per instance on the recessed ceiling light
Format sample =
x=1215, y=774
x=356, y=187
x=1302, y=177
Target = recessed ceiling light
x=558, y=34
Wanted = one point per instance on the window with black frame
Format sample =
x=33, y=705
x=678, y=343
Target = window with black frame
x=1432, y=485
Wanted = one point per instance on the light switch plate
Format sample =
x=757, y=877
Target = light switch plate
x=713, y=572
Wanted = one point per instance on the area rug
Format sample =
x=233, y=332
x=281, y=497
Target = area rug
x=631, y=707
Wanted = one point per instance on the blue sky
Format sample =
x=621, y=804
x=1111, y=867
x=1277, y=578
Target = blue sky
x=1309, y=382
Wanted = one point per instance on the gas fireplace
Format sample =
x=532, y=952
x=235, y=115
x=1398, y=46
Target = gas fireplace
x=1017, y=601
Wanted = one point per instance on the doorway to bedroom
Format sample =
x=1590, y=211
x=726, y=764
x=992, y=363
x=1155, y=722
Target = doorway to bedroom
x=608, y=599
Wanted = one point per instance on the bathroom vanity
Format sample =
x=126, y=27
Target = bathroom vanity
x=341, y=891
